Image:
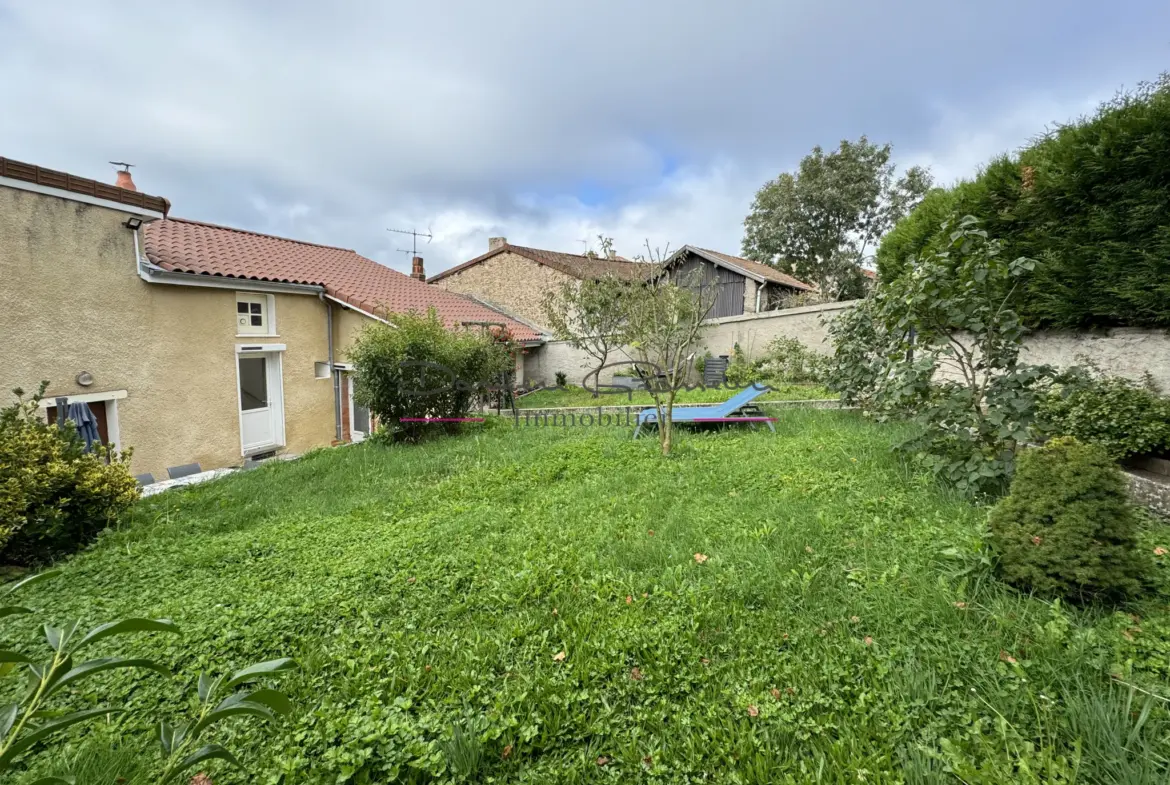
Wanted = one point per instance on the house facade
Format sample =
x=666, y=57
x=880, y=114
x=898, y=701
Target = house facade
x=515, y=279
x=192, y=343
x=742, y=286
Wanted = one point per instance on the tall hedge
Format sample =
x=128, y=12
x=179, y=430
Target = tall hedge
x=1091, y=200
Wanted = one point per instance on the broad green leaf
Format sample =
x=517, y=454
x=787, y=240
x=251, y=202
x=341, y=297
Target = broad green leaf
x=30, y=580
x=273, y=699
x=207, y=686
x=166, y=737
x=7, y=718
x=7, y=655
x=48, y=729
x=124, y=626
x=58, y=637
x=12, y=610
x=205, y=753
x=105, y=664
x=260, y=669
x=241, y=709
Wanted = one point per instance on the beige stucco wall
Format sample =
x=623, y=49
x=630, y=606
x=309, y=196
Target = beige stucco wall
x=508, y=280
x=71, y=301
x=754, y=332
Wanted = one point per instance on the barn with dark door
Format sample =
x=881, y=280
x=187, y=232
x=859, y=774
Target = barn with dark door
x=743, y=286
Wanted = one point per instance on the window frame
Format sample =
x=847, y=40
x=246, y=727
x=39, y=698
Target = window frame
x=267, y=303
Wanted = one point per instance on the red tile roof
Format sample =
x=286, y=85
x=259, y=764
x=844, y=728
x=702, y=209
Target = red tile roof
x=184, y=246
x=575, y=265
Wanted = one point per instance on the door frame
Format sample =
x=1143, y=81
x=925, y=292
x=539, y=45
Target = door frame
x=355, y=435
x=274, y=353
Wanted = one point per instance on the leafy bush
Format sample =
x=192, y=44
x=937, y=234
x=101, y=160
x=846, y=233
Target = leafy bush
x=562, y=379
x=1067, y=529
x=1090, y=199
x=942, y=346
x=741, y=371
x=420, y=369
x=789, y=360
x=54, y=497
x=1123, y=417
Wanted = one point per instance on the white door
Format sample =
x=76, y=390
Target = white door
x=261, y=402
x=359, y=417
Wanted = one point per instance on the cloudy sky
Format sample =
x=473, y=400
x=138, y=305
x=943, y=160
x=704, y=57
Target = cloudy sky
x=547, y=121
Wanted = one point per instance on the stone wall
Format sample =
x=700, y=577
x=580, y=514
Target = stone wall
x=516, y=284
x=753, y=332
x=1128, y=352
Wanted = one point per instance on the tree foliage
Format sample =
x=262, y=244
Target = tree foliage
x=1089, y=198
x=942, y=346
x=1067, y=528
x=590, y=315
x=664, y=319
x=821, y=223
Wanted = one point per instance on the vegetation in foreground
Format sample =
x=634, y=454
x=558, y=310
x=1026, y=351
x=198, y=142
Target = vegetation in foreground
x=576, y=396
x=567, y=606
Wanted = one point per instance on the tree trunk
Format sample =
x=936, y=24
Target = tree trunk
x=664, y=429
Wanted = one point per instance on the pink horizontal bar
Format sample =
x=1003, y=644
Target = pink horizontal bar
x=732, y=419
x=440, y=419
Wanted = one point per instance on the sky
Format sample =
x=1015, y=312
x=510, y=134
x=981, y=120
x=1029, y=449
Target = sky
x=650, y=121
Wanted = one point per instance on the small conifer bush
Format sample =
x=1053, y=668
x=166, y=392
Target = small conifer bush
x=1066, y=528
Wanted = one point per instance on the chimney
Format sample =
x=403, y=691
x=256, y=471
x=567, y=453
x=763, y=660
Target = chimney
x=416, y=269
x=611, y=254
x=496, y=242
x=125, y=181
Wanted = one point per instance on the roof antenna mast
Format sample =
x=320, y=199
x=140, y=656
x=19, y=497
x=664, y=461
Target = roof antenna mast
x=125, y=166
x=413, y=239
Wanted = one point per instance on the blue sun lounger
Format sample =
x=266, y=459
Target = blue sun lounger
x=722, y=413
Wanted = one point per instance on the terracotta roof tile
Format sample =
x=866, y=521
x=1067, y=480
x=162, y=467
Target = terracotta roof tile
x=180, y=245
x=575, y=265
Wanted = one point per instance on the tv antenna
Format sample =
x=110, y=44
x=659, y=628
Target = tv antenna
x=413, y=239
x=125, y=166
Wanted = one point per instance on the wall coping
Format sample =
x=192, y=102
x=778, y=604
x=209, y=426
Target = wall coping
x=752, y=317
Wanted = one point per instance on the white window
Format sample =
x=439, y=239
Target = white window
x=254, y=314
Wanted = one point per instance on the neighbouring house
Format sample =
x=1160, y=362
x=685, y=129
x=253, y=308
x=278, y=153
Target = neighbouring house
x=515, y=279
x=744, y=286
x=192, y=343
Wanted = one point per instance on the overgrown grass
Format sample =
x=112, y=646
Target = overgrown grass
x=576, y=396
x=843, y=626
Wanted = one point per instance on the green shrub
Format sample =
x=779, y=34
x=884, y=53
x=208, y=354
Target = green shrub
x=1123, y=417
x=1067, y=529
x=789, y=360
x=740, y=370
x=417, y=368
x=1089, y=199
x=54, y=497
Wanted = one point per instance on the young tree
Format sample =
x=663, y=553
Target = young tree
x=664, y=318
x=943, y=346
x=590, y=316
x=821, y=223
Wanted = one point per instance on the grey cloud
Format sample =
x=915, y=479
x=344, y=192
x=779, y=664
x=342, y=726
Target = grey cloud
x=331, y=121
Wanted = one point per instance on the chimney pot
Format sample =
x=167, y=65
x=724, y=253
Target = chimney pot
x=611, y=254
x=496, y=242
x=416, y=268
x=125, y=181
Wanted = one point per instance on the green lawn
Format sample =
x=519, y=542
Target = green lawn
x=576, y=396
x=841, y=628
